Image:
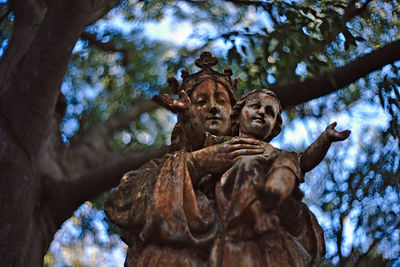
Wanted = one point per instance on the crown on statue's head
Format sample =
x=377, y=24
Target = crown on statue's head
x=205, y=62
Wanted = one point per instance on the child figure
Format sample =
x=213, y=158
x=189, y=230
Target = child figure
x=270, y=179
x=257, y=115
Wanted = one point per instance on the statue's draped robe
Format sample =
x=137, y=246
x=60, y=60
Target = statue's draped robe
x=256, y=232
x=166, y=221
x=163, y=220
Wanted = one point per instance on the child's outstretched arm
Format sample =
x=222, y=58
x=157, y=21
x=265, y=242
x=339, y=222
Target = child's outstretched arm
x=316, y=152
x=175, y=105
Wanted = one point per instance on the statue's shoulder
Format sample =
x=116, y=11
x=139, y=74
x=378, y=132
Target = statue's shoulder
x=133, y=192
x=149, y=169
x=141, y=180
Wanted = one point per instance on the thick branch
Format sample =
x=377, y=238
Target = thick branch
x=297, y=93
x=74, y=192
x=61, y=163
x=101, y=8
x=27, y=14
x=255, y=3
x=373, y=245
x=199, y=2
x=352, y=10
x=36, y=85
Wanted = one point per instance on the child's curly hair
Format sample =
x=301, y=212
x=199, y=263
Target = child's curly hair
x=237, y=108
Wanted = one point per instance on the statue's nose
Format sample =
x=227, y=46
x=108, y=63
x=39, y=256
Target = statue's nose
x=213, y=107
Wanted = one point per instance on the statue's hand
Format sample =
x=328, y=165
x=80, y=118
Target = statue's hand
x=174, y=105
x=218, y=158
x=334, y=135
x=267, y=148
x=184, y=99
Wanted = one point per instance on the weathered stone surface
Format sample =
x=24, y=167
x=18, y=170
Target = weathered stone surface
x=223, y=196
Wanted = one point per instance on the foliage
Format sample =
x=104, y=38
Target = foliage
x=355, y=191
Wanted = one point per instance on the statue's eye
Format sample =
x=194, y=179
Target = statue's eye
x=221, y=101
x=255, y=106
x=270, y=111
x=201, y=102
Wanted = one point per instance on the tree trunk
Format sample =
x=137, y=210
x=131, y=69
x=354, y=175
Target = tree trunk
x=34, y=66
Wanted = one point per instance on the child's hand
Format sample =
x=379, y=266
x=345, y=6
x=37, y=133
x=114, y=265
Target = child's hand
x=334, y=135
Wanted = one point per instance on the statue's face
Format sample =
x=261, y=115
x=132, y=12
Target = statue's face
x=258, y=116
x=211, y=106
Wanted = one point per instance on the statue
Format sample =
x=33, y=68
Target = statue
x=218, y=199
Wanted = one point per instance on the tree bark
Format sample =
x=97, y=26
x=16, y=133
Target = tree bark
x=74, y=192
x=27, y=15
x=32, y=70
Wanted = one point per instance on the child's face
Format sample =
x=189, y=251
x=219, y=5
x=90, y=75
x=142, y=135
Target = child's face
x=258, y=116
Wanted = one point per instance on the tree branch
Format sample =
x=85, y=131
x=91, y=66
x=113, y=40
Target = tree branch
x=26, y=16
x=101, y=8
x=61, y=163
x=373, y=245
x=297, y=93
x=350, y=12
x=199, y=2
x=99, y=133
x=5, y=15
x=66, y=196
x=36, y=85
x=255, y=3
x=109, y=46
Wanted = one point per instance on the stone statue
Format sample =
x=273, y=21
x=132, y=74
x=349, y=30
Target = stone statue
x=223, y=196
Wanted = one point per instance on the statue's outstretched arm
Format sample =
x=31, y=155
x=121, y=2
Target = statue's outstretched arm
x=316, y=152
x=175, y=105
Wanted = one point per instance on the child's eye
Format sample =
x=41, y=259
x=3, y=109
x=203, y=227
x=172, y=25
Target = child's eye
x=269, y=110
